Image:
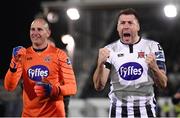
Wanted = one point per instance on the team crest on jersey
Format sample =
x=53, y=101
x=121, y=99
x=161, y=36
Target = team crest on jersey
x=130, y=71
x=38, y=72
x=47, y=59
x=141, y=54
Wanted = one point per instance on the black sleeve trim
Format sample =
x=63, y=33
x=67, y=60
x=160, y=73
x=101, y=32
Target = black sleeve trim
x=107, y=65
x=13, y=70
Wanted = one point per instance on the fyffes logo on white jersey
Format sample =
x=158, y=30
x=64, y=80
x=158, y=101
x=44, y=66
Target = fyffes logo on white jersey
x=38, y=72
x=130, y=71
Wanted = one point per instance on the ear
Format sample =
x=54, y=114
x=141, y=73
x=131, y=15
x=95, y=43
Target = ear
x=49, y=33
x=138, y=27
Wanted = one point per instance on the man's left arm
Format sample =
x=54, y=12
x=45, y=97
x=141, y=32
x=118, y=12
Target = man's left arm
x=159, y=76
x=66, y=75
x=156, y=63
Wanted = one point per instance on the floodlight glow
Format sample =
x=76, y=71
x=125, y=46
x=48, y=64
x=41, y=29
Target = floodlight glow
x=73, y=13
x=69, y=40
x=52, y=17
x=170, y=10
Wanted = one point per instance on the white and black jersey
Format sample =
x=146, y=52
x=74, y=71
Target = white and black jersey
x=132, y=92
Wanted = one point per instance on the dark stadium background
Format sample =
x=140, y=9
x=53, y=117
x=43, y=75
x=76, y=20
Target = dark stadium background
x=16, y=16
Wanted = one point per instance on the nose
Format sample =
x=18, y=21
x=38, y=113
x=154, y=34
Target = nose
x=126, y=25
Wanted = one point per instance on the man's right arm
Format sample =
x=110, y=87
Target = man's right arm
x=11, y=79
x=100, y=77
x=14, y=72
x=101, y=73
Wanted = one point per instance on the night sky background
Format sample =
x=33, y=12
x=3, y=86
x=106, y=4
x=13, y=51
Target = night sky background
x=16, y=17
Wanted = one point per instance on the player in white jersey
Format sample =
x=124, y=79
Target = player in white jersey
x=134, y=64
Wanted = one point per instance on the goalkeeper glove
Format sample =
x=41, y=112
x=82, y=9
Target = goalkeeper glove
x=45, y=90
x=16, y=56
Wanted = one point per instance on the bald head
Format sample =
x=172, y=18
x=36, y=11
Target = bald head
x=40, y=21
x=39, y=33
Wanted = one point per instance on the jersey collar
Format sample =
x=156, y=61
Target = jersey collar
x=132, y=44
